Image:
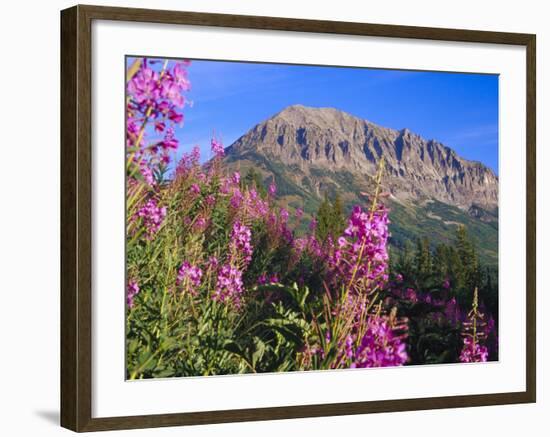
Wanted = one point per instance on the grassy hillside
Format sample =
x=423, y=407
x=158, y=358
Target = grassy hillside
x=438, y=222
x=432, y=219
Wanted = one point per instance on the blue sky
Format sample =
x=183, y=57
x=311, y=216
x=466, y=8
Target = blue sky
x=460, y=110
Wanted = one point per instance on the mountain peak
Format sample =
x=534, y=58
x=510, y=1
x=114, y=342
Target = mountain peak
x=302, y=109
x=295, y=108
x=322, y=116
x=330, y=141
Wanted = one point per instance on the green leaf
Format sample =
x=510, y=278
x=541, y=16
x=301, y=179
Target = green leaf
x=291, y=331
x=259, y=351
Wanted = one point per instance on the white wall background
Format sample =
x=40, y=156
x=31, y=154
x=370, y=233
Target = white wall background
x=29, y=215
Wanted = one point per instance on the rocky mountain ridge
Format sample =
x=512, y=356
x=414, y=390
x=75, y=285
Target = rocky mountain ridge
x=314, y=143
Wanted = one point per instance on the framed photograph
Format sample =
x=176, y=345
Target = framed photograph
x=268, y=218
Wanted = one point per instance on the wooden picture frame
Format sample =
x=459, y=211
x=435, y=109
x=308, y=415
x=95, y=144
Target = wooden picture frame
x=76, y=217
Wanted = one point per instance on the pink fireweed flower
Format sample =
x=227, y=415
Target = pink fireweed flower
x=236, y=178
x=491, y=335
x=300, y=245
x=452, y=311
x=202, y=177
x=272, y=190
x=153, y=99
x=152, y=217
x=195, y=155
x=380, y=346
x=252, y=194
x=362, y=254
x=283, y=215
x=225, y=186
x=146, y=172
x=474, y=329
x=160, y=126
x=264, y=279
x=212, y=263
x=217, y=148
x=188, y=162
x=236, y=199
x=308, y=245
x=240, y=242
x=411, y=295
x=189, y=277
x=131, y=291
x=162, y=108
x=132, y=133
x=210, y=200
x=144, y=87
x=258, y=208
x=229, y=286
x=180, y=76
x=349, y=347
x=175, y=117
x=272, y=219
x=314, y=247
x=170, y=142
x=473, y=352
x=285, y=233
x=132, y=127
x=312, y=225
x=278, y=226
x=195, y=189
x=200, y=224
x=249, y=204
x=171, y=91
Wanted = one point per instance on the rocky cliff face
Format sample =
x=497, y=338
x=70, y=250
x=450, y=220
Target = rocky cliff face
x=315, y=142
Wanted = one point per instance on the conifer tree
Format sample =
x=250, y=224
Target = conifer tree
x=254, y=179
x=338, y=218
x=423, y=260
x=439, y=264
x=469, y=272
x=405, y=262
x=323, y=219
x=330, y=218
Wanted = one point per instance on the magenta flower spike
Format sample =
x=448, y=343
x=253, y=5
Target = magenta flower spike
x=131, y=291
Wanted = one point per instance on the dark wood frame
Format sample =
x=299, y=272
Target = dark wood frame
x=76, y=218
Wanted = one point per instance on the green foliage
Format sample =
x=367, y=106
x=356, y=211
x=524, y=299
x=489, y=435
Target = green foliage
x=439, y=222
x=433, y=339
x=442, y=272
x=253, y=179
x=330, y=218
x=423, y=259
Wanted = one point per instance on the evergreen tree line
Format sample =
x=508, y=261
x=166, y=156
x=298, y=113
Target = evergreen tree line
x=454, y=266
x=331, y=219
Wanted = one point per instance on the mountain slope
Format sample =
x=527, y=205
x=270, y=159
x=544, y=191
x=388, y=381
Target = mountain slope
x=313, y=151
